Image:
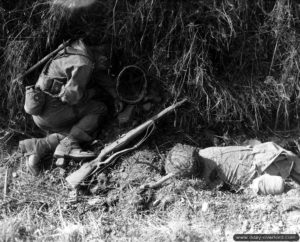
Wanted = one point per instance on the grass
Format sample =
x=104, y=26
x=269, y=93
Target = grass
x=221, y=55
x=237, y=63
x=185, y=210
x=112, y=208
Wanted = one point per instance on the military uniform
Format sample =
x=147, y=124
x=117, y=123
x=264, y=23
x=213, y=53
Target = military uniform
x=70, y=108
x=239, y=165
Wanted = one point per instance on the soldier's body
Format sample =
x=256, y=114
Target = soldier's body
x=71, y=112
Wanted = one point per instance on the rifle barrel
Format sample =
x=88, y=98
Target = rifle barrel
x=42, y=61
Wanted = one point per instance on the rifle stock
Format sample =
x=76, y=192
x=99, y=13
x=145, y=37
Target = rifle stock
x=82, y=173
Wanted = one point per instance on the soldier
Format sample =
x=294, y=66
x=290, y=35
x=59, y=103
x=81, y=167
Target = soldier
x=267, y=164
x=63, y=102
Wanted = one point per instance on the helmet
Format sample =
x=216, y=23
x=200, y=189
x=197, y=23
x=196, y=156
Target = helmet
x=184, y=160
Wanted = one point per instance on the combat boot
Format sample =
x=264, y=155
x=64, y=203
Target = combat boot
x=69, y=148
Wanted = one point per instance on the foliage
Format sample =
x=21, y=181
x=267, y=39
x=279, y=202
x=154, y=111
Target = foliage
x=236, y=60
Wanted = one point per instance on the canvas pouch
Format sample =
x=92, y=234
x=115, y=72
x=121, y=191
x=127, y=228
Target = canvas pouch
x=34, y=100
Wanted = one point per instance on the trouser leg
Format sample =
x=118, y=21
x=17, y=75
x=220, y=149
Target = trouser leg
x=79, y=121
x=35, y=149
x=92, y=115
x=40, y=147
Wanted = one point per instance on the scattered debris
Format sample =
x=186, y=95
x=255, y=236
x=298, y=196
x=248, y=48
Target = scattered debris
x=204, y=207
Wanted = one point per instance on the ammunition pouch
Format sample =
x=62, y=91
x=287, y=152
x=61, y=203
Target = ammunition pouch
x=51, y=85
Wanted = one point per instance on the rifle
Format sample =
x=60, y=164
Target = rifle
x=17, y=83
x=89, y=168
x=41, y=62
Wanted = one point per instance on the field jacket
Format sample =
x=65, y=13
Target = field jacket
x=66, y=75
x=239, y=165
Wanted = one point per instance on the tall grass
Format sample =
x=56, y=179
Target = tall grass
x=236, y=60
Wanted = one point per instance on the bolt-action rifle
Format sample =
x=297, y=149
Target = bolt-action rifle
x=107, y=156
x=41, y=62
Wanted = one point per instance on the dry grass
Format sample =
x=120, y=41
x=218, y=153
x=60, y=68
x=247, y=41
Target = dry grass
x=236, y=61
x=42, y=209
x=185, y=210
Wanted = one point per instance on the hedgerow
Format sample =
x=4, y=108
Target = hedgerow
x=235, y=60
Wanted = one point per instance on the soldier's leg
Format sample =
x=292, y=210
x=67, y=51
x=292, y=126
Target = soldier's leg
x=35, y=149
x=57, y=117
x=91, y=113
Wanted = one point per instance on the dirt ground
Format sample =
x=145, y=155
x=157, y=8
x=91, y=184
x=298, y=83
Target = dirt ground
x=111, y=206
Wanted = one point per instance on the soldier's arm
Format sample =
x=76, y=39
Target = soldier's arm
x=75, y=88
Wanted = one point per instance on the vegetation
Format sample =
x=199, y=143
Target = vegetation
x=235, y=60
x=237, y=63
x=41, y=209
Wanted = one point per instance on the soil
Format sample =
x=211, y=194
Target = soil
x=111, y=205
